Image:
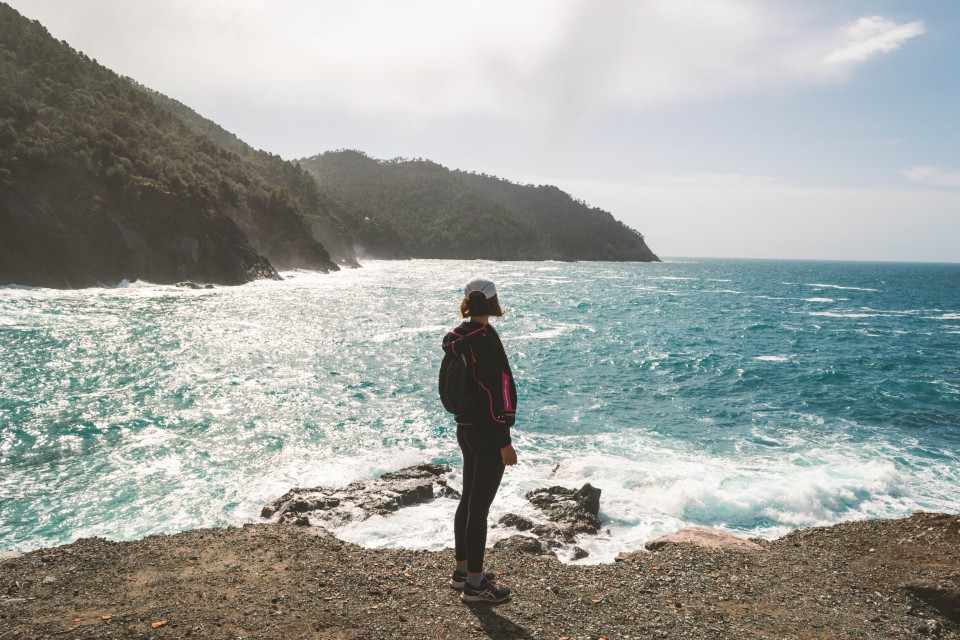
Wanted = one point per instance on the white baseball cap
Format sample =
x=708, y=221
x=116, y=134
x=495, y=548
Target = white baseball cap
x=481, y=284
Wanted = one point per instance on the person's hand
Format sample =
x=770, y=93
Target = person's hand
x=509, y=455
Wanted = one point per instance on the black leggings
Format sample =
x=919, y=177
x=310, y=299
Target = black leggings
x=482, y=472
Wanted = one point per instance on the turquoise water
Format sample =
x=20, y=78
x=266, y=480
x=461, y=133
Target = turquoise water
x=751, y=395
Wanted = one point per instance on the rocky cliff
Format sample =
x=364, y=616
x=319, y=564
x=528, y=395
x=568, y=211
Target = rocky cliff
x=98, y=183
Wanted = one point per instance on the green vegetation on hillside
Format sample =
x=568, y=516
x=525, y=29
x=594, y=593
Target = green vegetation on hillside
x=569, y=227
x=98, y=182
x=418, y=208
x=324, y=213
x=102, y=179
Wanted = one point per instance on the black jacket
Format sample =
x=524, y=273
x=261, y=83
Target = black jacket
x=487, y=363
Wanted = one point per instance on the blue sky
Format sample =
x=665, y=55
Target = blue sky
x=734, y=128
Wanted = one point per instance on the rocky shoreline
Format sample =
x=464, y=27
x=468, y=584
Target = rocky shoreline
x=560, y=516
x=864, y=579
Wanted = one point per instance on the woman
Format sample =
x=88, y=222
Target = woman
x=483, y=431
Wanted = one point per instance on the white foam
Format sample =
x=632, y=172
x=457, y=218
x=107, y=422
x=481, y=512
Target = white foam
x=892, y=312
x=658, y=290
x=425, y=526
x=18, y=287
x=818, y=300
x=553, y=332
x=395, y=334
x=834, y=314
x=836, y=286
x=541, y=335
x=772, y=358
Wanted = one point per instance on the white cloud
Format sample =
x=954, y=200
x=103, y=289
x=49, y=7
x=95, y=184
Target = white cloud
x=551, y=61
x=933, y=175
x=870, y=36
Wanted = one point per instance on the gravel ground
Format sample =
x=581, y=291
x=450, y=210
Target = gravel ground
x=867, y=579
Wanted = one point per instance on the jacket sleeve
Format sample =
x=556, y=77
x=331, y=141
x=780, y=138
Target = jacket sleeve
x=497, y=389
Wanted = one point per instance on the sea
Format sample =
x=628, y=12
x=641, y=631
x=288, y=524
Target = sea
x=757, y=397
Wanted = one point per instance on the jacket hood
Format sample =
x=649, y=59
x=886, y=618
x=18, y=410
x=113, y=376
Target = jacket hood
x=458, y=341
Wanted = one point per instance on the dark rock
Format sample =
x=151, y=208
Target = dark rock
x=447, y=491
x=523, y=544
x=517, y=522
x=303, y=506
x=571, y=511
x=360, y=500
x=413, y=493
x=268, y=511
x=579, y=553
x=419, y=472
x=543, y=530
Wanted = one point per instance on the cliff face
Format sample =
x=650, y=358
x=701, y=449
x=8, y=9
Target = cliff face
x=98, y=183
x=65, y=233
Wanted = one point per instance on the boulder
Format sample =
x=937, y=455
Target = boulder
x=570, y=511
x=578, y=553
x=517, y=522
x=705, y=538
x=567, y=513
x=523, y=544
x=632, y=556
x=360, y=500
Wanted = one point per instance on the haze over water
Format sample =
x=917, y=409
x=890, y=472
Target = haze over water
x=752, y=395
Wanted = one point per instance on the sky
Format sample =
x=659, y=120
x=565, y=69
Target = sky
x=730, y=128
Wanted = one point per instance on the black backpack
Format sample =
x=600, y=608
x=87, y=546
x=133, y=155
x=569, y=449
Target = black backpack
x=458, y=390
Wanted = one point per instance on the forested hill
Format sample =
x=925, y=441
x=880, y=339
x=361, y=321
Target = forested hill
x=102, y=179
x=99, y=182
x=418, y=208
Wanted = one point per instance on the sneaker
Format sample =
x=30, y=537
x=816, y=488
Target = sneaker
x=486, y=592
x=457, y=579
